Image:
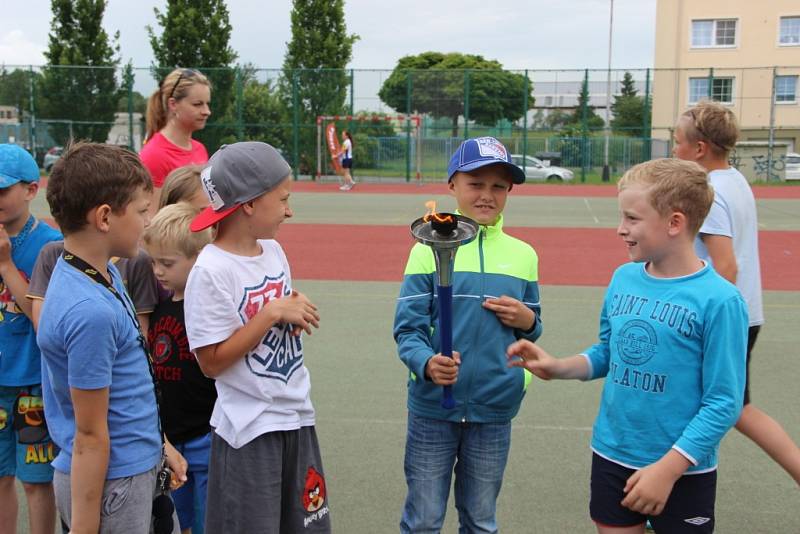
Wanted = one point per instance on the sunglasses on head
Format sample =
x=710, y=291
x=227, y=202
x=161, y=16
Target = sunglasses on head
x=185, y=73
x=700, y=130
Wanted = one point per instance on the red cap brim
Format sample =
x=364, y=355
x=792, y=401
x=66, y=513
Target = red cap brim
x=209, y=217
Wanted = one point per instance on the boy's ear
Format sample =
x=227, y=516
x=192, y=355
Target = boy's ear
x=451, y=186
x=30, y=190
x=702, y=150
x=676, y=223
x=99, y=218
x=247, y=207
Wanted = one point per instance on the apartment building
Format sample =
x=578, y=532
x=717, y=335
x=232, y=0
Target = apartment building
x=742, y=53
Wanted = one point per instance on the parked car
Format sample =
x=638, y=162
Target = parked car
x=536, y=169
x=792, y=166
x=51, y=156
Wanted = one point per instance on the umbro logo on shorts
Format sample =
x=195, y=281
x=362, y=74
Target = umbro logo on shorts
x=697, y=521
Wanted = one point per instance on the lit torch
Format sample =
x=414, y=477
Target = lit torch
x=444, y=233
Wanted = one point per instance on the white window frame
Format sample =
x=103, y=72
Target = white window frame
x=714, y=33
x=705, y=96
x=783, y=102
x=780, y=23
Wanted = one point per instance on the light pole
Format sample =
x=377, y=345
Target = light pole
x=606, y=171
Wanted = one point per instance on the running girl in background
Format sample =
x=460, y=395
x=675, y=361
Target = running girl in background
x=347, y=161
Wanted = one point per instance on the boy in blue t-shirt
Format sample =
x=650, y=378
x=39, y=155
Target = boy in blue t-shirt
x=673, y=337
x=98, y=388
x=26, y=449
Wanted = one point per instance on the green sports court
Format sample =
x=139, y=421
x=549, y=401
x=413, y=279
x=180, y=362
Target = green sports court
x=347, y=252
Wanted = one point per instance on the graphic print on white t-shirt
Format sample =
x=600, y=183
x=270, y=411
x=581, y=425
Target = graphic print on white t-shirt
x=280, y=353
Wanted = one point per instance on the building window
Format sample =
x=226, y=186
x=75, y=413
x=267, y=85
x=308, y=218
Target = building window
x=786, y=89
x=790, y=31
x=714, y=33
x=721, y=90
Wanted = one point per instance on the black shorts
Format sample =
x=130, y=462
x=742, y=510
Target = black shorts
x=689, y=508
x=347, y=163
x=752, y=334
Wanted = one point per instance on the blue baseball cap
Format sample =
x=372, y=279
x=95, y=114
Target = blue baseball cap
x=481, y=151
x=16, y=165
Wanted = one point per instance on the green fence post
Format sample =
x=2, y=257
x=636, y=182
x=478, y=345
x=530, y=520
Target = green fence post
x=409, y=89
x=32, y=126
x=584, y=127
x=525, y=122
x=466, y=103
x=239, y=104
x=130, y=111
x=295, y=124
x=352, y=93
x=646, y=135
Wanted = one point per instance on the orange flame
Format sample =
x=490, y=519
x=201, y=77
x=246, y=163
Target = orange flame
x=431, y=206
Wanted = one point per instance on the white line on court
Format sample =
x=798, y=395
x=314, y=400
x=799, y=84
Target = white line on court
x=589, y=208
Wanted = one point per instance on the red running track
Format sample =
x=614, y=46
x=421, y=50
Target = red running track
x=567, y=256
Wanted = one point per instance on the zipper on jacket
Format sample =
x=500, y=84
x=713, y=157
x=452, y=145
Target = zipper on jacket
x=481, y=233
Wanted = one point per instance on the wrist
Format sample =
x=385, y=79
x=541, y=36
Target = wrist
x=7, y=266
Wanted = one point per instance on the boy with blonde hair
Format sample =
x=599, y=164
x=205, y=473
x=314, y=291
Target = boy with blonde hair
x=672, y=350
x=244, y=321
x=187, y=395
x=706, y=134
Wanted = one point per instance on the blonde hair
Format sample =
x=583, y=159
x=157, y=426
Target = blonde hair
x=674, y=185
x=181, y=185
x=169, y=230
x=714, y=124
x=175, y=85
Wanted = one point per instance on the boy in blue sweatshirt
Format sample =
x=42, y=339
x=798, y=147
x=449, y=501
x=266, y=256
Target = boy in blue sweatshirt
x=495, y=302
x=673, y=337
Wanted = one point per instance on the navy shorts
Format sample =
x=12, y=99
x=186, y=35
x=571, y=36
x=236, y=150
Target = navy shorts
x=347, y=163
x=689, y=508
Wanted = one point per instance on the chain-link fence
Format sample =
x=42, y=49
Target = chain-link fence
x=579, y=120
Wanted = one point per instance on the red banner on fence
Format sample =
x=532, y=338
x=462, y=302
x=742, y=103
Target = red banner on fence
x=333, y=147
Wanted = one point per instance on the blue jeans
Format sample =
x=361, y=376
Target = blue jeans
x=190, y=499
x=478, y=451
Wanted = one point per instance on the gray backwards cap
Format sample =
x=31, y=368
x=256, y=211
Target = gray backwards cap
x=236, y=174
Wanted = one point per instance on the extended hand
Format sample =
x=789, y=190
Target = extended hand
x=443, y=370
x=532, y=357
x=511, y=312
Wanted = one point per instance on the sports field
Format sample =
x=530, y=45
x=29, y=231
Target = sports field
x=347, y=252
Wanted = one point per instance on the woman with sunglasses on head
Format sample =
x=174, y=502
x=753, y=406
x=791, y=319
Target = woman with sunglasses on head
x=177, y=109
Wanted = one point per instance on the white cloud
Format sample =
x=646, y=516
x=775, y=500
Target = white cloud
x=17, y=49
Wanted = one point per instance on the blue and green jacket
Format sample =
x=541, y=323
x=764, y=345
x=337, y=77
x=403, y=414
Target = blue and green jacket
x=493, y=265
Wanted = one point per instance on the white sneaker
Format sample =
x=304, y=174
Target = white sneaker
x=343, y=187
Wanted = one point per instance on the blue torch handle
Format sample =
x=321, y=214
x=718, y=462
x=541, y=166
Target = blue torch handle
x=446, y=337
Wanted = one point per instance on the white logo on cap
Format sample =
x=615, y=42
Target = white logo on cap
x=491, y=148
x=211, y=192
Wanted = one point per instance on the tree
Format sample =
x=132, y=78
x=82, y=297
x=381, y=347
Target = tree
x=15, y=88
x=592, y=120
x=447, y=85
x=628, y=109
x=78, y=85
x=196, y=34
x=314, y=80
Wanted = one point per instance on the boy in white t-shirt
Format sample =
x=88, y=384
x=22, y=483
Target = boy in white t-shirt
x=244, y=322
x=706, y=134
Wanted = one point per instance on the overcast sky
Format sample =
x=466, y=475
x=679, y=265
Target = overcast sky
x=532, y=34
